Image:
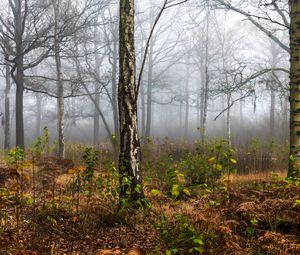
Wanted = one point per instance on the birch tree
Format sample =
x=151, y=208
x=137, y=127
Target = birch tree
x=130, y=152
x=294, y=165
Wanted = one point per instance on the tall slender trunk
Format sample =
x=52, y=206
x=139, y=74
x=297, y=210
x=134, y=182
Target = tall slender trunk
x=241, y=104
x=206, y=82
x=149, y=93
x=38, y=115
x=241, y=121
x=205, y=104
x=7, y=108
x=130, y=153
x=187, y=104
x=180, y=114
x=228, y=120
x=19, y=76
x=272, y=112
x=143, y=111
x=294, y=163
x=60, y=85
x=19, y=79
x=198, y=110
x=285, y=114
x=114, y=87
x=97, y=96
x=96, y=118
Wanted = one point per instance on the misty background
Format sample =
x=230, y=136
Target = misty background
x=210, y=72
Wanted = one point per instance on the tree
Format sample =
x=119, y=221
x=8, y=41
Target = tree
x=7, y=107
x=59, y=81
x=130, y=152
x=294, y=165
x=271, y=17
x=25, y=31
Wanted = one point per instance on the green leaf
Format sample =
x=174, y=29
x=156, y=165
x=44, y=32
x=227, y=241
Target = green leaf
x=296, y=203
x=155, y=192
x=30, y=201
x=187, y=192
x=175, y=190
x=218, y=167
x=198, y=241
x=211, y=160
x=233, y=161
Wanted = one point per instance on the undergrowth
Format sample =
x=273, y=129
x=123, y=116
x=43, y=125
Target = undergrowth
x=194, y=204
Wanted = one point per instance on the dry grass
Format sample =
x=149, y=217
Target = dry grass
x=257, y=177
x=69, y=221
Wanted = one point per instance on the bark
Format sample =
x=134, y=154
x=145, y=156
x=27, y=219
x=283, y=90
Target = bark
x=205, y=104
x=285, y=113
x=60, y=85
x=241, y=104
x=294, y=163
x=7, y=109
x=97, y=96
x=198, y=108
x=149, y=93
x=38, y=115
x=228, y=120
x=19, y=68
x=180, y=114
x=272, y=112
x=114, y=87
x=187, y=108
x=96, y=118
x=130, y=154
x=206, y=84
x=143, y=113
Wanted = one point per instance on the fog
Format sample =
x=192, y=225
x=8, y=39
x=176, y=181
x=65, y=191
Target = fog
x=209, y=71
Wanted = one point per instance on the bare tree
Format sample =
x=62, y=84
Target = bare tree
x=130, y=154
x=271, y=17
x=24, y=30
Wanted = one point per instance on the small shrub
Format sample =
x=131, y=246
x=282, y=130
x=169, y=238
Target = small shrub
x=180, y=236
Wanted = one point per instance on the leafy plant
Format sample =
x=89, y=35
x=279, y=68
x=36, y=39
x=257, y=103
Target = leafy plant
x=176, y=187
x=180, y=235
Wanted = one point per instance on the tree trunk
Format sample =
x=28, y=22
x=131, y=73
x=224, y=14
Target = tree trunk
x=7, y=109
x=187, y=108
x=19, y=79
x=114, y=87
x=272, y=112
x=38, y=115
x=206, y=83
x=198, y=111
x=294, y=163
x=180, y=113
x=130, y=153
x=149, y=93
x=19, y=76
x=60, y=88
x=97, y=96
x=96, y=118
x=143, y=112
x=228, y=120
x=205, y=104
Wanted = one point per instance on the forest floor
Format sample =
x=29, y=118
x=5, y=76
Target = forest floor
x=45, y=210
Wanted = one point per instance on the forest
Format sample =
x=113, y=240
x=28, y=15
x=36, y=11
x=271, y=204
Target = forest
x=150, y=127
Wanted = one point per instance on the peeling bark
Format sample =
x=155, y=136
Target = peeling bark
x=130, y=153
x=294, y=165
